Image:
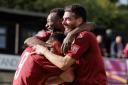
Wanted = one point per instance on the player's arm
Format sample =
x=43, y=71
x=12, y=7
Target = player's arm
x=88, y=26
x=67, y=76
x=70, y=36
x=62, y=62
x=37, y=39
x=34, y=41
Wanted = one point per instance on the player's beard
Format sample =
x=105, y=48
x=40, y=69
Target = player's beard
x=68, y=29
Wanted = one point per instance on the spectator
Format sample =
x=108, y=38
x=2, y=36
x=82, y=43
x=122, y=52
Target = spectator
x=108, y=40
x=101, y=45
x=117, y=47
x=125, y=51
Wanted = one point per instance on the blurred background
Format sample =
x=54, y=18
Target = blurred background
x=20, y=19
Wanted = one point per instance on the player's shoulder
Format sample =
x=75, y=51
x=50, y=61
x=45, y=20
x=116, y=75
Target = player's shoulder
x=43, y=33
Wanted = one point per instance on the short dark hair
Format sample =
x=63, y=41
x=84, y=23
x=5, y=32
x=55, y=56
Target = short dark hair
x=59, y=11
x=58, y=36
x=79, y=10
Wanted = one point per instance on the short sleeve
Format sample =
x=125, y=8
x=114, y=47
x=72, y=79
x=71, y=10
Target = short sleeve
x=79, y=46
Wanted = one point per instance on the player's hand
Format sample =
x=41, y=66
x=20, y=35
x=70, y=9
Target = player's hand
x=33, y=41
x=28, y=41
x=67, y=42
x=39, y=49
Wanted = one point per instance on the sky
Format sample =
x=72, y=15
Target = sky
x=125, y=2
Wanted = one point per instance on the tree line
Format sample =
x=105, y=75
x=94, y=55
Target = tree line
x=105, y=13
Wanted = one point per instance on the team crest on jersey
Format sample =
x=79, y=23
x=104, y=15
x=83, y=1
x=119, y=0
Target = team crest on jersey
x=75, y=48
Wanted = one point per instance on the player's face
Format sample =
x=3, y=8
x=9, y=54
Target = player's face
x=53, y=22
x=69, y=21
x=54, y=46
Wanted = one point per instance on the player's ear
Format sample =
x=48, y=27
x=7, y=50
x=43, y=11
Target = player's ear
x=79, y=20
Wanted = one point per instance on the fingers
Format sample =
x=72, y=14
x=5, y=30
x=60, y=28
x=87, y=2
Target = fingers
x=33, y=53
x=65, y=47
x=62, y=46
x=36, y=49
